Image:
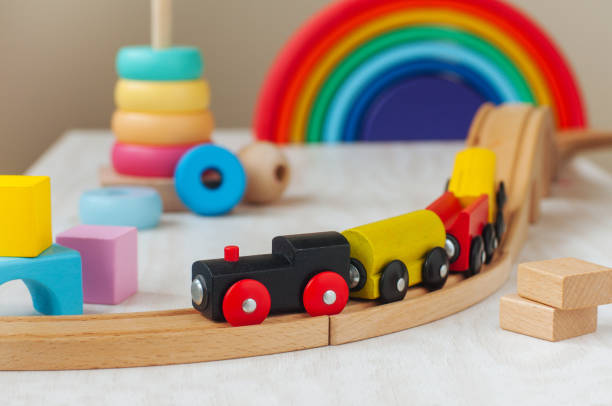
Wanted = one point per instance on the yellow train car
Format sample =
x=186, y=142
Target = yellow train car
x=390, y=255
x=474, y=176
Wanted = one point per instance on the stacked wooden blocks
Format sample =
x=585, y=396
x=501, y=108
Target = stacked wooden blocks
x=557, y=299
x=51, y=273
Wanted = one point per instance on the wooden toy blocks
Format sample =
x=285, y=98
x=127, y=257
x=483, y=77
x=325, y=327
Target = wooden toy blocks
x=25, y=215
x=53, y=279
x=537, y=320
x=557, y=299
x=110, y=261
x=566, y=283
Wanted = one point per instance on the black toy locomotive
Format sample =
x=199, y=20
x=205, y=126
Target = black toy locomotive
x=304, y=272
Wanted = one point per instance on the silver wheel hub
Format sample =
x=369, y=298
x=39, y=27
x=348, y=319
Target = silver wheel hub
x=249, y=305
x=198, y=292
x=443, y=271
x=495, y=243
x=401, y=284
x=483, y=257
x=354, y=277
x=449, y=247
x=329, y=297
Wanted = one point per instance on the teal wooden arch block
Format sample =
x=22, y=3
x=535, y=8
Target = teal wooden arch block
x=53, y=279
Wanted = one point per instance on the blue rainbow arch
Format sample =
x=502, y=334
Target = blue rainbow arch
x=396, y=76
x=408, y=55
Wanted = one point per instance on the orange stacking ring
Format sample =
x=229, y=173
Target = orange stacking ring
x=162, y=129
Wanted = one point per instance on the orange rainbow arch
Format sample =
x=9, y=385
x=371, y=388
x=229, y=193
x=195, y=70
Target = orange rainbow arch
x=325, y=69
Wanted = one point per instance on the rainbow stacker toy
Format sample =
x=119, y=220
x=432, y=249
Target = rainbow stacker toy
x=163, y=128
x=162, y=102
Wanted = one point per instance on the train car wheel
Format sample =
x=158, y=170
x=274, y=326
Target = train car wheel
x=357, y=275
x=452, y=247
x=500, y=196
x=491, y=242
x=435, y=269
x=326, y=293
x=393, y=282
x=246, y=302
x=500, y=225
x=477, y=255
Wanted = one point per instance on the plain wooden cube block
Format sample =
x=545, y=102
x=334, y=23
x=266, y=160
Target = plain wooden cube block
x=548, y=323
x=25, y=215
x=565, y=283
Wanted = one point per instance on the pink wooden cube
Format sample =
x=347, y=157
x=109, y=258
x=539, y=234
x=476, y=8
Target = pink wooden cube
x=109, y=261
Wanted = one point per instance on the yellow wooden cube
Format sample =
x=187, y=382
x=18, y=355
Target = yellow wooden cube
x=25, y=215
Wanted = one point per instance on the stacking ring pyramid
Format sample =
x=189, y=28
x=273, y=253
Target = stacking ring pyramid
x=410, y=69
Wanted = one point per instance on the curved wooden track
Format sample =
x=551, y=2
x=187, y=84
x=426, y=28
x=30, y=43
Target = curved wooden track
x=529, y=154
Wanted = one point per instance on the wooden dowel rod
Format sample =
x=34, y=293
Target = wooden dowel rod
x=161, y=23
x=573, y=141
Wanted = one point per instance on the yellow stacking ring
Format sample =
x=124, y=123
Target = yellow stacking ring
x=162, y=129
x=162, y=97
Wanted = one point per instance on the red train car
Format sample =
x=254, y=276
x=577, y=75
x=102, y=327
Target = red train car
x=466, y=231
x=471, y=210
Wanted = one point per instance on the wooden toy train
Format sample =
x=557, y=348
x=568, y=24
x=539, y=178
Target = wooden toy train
x=317, y=272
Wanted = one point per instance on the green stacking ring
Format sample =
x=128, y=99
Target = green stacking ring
x=168, y=64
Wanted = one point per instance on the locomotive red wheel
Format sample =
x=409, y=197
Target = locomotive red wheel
x=246, y=302
x=326, y=293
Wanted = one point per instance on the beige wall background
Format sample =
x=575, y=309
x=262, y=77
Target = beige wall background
x=57, y=58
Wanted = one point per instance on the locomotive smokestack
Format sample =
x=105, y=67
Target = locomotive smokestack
x=232, y=253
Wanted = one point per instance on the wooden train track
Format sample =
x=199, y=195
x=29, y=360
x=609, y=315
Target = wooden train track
x=530, y=153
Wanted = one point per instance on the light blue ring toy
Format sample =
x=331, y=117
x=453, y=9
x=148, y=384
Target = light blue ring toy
x=204, y=200
x=133, y=206
x=168, y=64
x=359, y=80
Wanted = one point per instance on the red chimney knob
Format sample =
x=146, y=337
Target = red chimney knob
x=232, y=253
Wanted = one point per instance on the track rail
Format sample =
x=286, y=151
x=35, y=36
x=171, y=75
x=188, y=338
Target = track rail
x=184, y=336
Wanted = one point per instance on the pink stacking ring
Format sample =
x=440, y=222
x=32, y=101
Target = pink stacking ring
x=149, y=161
